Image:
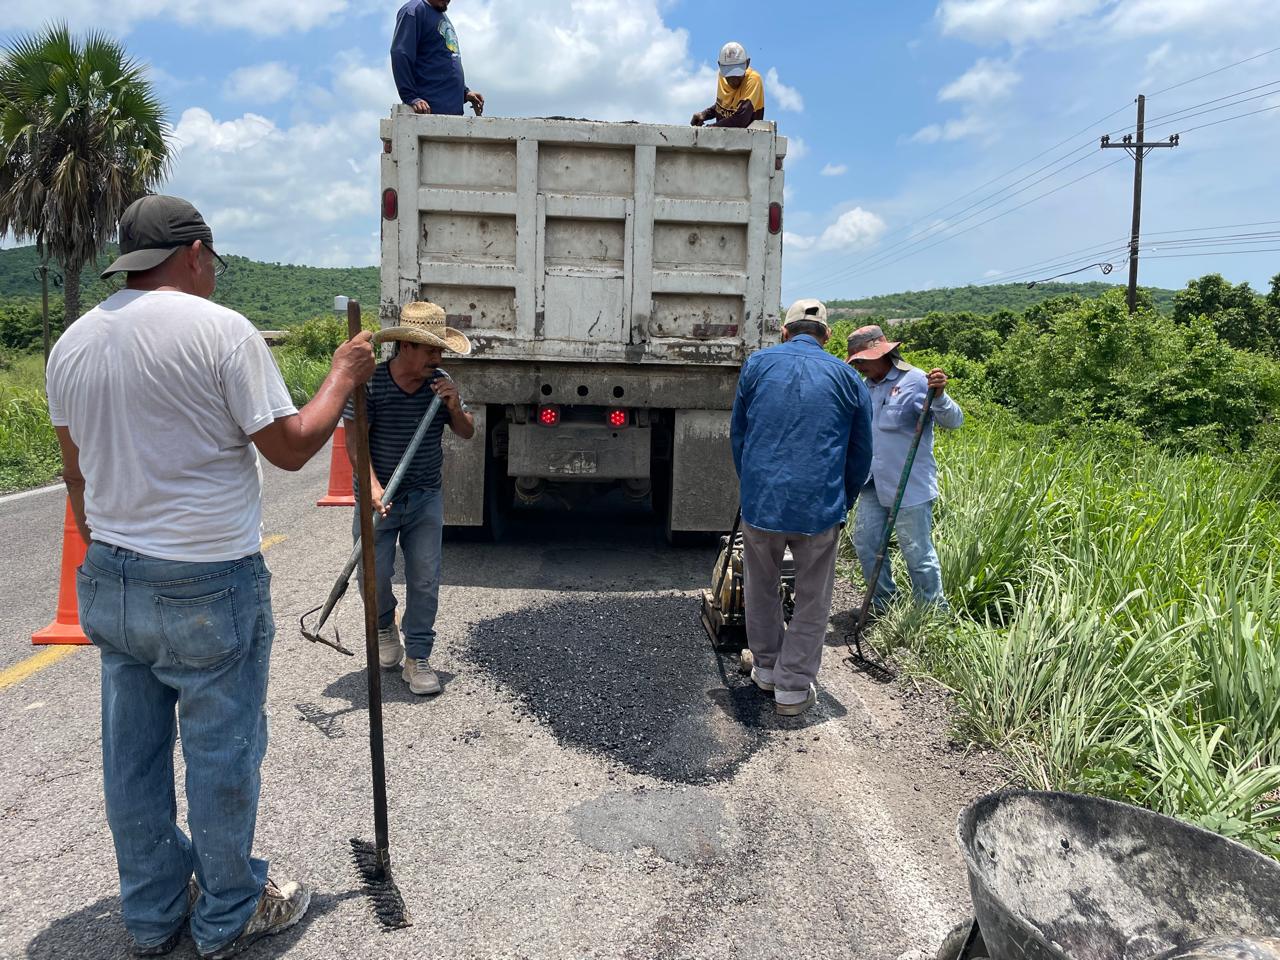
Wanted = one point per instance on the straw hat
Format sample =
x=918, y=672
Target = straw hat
x=423, y=322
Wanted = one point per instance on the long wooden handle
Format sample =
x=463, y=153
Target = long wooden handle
x=364, y=504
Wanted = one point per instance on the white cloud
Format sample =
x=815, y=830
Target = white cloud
x=198, y=129
x=1027, y=21
x=266, y=17
x=985, y=81
x=1015, y=21
x=263, y=83
x=1153, y=17
x=852, y=230
x=966, y=126
x=603, y=59
x=835, y=170
x=797, y=149
x=787, y=98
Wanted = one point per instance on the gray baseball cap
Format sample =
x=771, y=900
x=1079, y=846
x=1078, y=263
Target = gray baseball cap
x=152, y=228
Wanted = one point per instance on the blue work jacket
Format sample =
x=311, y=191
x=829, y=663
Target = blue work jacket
x=801, y=436
x=896, y=402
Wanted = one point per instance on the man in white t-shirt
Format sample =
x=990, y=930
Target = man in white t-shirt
x=162, y=402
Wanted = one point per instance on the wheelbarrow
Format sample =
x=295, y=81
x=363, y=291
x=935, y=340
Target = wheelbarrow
x=1056, y=876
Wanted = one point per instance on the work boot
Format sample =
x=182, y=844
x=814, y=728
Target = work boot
x=390, y=649
x=794, y=709
x=279, y=908
x=762, y=678
x=421, y=678
x=170, y=943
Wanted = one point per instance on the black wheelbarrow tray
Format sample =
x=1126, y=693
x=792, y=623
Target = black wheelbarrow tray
x=1056, y=876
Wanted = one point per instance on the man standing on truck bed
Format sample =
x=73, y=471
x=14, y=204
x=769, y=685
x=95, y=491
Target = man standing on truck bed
x=162, y=402
x=426, y=62
x=801, y=437
x=740, y=94
x=397, y=398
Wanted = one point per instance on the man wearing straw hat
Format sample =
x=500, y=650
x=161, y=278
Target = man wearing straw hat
x=397, y=398
x=897, y=394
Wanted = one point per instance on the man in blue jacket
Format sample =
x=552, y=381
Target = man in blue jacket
x=802, y=446
x=427, y=63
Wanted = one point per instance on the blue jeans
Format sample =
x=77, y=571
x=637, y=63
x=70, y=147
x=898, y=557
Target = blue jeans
x=191, y=642
x=914, y=529
x=417, y=520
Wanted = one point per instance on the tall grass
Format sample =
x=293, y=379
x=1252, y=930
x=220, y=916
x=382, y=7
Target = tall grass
x=29, y=453
x=1117, y=622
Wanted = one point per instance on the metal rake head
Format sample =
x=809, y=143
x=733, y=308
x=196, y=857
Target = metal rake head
x=375, y=877
x=315, y=636
x=877, y=669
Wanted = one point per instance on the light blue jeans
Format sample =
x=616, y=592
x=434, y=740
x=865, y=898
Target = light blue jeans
x=188, y=642
x=416, y=519
x=914, y=530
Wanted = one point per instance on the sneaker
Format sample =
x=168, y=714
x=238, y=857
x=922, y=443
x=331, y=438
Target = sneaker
x=170, y=943
x=762, y=678
x=420, y=677
x=390, y=649
x=279, y=908
x=795, y=709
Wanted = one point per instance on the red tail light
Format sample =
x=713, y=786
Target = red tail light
x=549, y=415
x=775, y=218
x=390, y=204
x=618, y=418
x=386, y=146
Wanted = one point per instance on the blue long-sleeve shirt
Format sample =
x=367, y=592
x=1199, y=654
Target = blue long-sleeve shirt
x=801, y=435
x=896, y=404
x=425, y=59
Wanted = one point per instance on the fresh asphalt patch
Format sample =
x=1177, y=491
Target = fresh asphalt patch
x=635, y=681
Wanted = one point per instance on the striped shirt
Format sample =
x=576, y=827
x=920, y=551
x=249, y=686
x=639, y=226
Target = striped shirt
x=393, y=417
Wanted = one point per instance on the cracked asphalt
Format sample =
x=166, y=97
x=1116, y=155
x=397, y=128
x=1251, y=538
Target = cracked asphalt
x=595, y=781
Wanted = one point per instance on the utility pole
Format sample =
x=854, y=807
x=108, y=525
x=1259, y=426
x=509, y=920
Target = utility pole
x=1137, y=149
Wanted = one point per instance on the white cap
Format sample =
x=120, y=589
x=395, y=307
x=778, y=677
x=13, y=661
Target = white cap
x=807, y=310
x=733, y=59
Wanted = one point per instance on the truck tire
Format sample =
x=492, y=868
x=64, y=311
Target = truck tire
x=499, y=496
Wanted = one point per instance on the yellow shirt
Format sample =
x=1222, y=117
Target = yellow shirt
x=728, y=99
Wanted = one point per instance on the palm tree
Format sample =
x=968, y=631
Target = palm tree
x=82, y=136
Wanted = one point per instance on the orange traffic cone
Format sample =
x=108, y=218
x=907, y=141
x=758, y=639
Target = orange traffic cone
x=339, y=494
x=66, y=622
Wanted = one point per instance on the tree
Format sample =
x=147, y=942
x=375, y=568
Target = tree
x=82, y=136
x=1239, y=315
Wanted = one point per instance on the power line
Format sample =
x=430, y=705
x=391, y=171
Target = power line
x=1092, y=126
x=1229, y=119
x=1225, y=106
x=1208, y=253
x=975, y=226
x=871, y=261
x=1219, y=70
x=1052, y=263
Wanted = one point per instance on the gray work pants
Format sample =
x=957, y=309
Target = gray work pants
x=793, y=653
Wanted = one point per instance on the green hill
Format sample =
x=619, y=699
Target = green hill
x=980, y=300
x=272, y=295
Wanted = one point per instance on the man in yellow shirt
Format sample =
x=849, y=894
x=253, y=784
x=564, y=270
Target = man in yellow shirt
x=740, y=94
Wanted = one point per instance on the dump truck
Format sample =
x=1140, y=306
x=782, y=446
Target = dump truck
x=612, y=278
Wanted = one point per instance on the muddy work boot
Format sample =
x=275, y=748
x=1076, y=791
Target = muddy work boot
x=279, y=909
x=784, y=707
x=421, y=678
x=390, y=649
x=170, y=943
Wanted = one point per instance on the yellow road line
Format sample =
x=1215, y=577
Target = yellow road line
x=34, y=664
x=50, y=655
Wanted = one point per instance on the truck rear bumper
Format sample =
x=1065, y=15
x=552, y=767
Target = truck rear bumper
x=574, y=451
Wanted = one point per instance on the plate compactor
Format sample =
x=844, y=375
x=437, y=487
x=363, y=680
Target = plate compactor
x=724, y=610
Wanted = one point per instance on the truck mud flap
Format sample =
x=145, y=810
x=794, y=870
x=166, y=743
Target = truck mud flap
x=704, y=485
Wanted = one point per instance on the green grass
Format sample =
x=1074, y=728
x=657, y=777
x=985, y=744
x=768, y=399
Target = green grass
x=29, y=454
x=1116, y=625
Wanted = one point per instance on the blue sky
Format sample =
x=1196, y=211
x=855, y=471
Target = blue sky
x=894, y=111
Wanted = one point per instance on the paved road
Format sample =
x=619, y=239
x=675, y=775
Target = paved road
x=595, y=781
